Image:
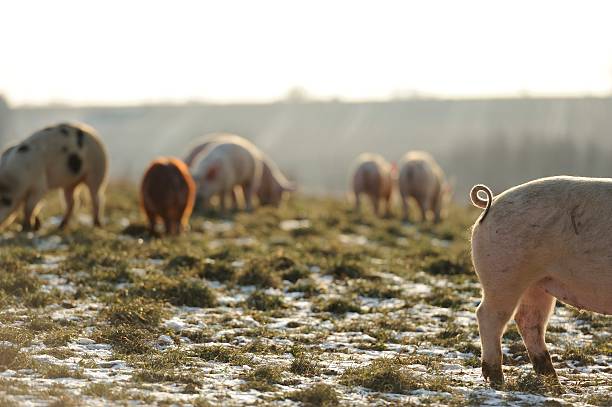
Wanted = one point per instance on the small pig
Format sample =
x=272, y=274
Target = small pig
x=373, y=176
x=421, y=178
x=196, y=149
x=273, y=184
x=540, y=241
x=226, y=164
x=60, y=156
x=168, y=192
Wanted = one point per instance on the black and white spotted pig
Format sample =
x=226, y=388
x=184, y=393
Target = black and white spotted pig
x=60, y=156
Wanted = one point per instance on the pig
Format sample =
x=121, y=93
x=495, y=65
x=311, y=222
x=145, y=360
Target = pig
x=167, y=192
x=59, y=156
x=196, y=150
x=421, y=178
x=226, y=164
x=273, y=184
x=535, y=243
x=373, y=176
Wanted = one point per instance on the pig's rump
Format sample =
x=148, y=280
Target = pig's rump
x=556, y=233
x=165, y=191
x=367, y=179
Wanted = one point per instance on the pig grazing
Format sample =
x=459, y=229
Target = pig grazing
x=202, y=144
x=226, y=164
x=540, y=241
x=167, y=192
x=421, y=178
x=373, y=176
x=273, y=184
x=60, y=156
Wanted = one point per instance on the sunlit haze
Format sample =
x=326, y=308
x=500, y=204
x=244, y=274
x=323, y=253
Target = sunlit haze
x=116, y=52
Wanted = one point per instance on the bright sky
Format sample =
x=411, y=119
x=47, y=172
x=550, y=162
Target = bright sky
x=130, y=51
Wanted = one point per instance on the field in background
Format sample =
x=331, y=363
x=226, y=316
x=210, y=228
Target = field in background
x=308, y=304
x=500, y=142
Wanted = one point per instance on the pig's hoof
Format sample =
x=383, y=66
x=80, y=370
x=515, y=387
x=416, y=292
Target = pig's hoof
x=493, y=374
x=543, y=365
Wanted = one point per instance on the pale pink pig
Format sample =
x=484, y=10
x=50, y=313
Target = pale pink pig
x=421, y=178
x=373, y=176
x=540, y=241
x=226, y=164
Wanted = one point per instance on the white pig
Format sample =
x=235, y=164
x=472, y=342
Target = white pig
x=373, y=176
x=60, y=156
x=540, y=241
x=421, y=178
x=273, y=183
x=226, y=164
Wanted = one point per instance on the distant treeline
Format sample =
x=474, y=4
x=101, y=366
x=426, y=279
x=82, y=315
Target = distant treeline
x=500, y=142
x=502, y=161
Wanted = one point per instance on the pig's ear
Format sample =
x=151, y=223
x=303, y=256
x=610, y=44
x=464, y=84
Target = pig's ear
x=212, y=172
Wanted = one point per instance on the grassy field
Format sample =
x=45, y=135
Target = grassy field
x=305, y=305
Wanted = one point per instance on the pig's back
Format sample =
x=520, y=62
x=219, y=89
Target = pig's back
x=570, y=213
x=242, y=162
x=167, y=186
x=69, y=152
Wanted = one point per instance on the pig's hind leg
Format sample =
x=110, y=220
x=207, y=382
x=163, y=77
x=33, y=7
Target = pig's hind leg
x=404, y=199
x=423, y=207
x=532, y=318
x=30, y=210
x=234, y=200
x=96, y=185
x=357, y=201
x=151, y=217
x=500, y=299
x=248, y=190
x=69, y=200
x=375, y=203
